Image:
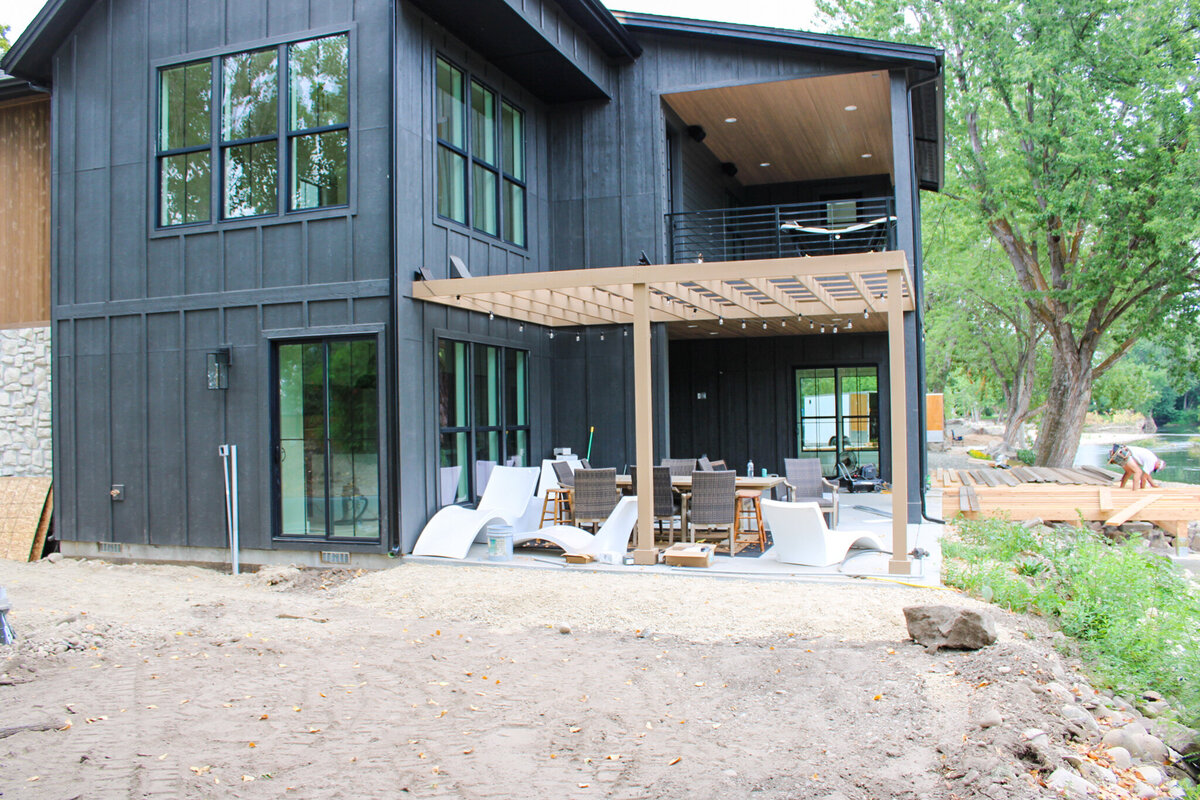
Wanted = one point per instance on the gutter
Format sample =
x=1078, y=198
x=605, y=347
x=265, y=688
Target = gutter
x=922, y=453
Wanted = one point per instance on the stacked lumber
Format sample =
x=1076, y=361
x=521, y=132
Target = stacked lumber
x=26, y=505
x=1170, y=508
x=991, y=476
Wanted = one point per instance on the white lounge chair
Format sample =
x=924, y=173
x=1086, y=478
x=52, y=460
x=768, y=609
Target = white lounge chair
x=607, y=546
x=800, y=536
x=507, y=498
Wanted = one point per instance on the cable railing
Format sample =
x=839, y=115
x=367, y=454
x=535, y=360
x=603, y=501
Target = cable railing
x=795, y=229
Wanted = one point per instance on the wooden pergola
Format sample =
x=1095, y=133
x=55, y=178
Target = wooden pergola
x=875, y=287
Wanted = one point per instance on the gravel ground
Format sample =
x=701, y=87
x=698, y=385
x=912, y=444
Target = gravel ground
x=447, y=681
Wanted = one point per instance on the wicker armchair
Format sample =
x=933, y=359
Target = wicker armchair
x=595, y=496
x=705, y=464
x=806, y=484
x=680, y=467
x=712, y=505
x=666, y=504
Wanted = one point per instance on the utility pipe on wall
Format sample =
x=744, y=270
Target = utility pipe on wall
x=228, y=453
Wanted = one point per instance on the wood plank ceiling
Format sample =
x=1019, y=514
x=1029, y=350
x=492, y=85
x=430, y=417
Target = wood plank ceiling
x=805, y=129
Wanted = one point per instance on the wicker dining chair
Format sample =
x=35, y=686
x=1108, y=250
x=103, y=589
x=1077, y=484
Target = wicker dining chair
x=712, y=504
x=680, y=467
x=705, y=464
x=806, y=484
x=719, y=465
x=666, y=503
x=595, y=496
x=564, y=473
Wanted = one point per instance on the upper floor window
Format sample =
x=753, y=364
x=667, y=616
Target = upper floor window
x=480, y=156
x=297, y=161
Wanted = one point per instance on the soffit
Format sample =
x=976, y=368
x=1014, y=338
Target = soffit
x=800, y=127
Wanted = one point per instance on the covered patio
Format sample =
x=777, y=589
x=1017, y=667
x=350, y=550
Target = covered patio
x=771, y=297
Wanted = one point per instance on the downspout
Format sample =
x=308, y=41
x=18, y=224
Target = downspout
x=919, y=306
x=394, y=538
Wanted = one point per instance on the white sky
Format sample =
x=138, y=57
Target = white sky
x=798, y=14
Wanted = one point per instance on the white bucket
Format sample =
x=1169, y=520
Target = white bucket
x=499, y=542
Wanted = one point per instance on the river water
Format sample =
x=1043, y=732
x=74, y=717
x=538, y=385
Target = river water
x=1180, y=451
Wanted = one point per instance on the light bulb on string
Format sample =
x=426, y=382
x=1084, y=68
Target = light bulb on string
x=578, y=337
x=743, y=324
x=491, y=315
x=764, y=325
x=849, y=324
x=835, y=328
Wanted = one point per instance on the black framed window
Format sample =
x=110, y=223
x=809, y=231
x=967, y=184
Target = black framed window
x=260, y=152
x=184, y=143
x=837, y=416
x=327, y=439
x=483, y=415
x=480, y=155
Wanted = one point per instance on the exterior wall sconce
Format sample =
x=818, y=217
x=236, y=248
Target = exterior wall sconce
x=218, y=369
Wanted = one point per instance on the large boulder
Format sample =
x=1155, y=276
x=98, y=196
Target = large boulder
x=939, y=627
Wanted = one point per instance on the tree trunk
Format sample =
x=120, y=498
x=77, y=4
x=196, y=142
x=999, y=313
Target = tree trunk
x=1066, y=408
x=1019, y=397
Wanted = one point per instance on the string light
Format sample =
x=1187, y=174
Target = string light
x=864, y=313
x=822, y=329
x=602, y=337
x=783, y=323
x=521, y=328
x=578, y=337
x=764, y=325
x=835, y=328
x=625, y=332
x=849, y=324
x=720, y=320
x=551, y=334
x=743, y=324
x=491, y=315
x=810, y=324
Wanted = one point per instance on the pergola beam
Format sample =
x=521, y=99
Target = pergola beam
x=861, y=286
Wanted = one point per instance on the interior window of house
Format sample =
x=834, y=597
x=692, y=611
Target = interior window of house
x=842, y=212
x=480, y=155
x=319, y=122
x=483, y=416
x=837, y=414
x=327, y=423
x=243, y=167
x=184, y=139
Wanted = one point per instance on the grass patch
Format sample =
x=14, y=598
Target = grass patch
x=1134, y=615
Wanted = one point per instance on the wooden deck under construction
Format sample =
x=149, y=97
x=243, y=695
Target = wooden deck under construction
x=1064, y=495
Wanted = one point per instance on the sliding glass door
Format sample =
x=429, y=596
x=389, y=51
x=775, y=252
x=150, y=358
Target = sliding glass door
x=327, y=446
x=837, y=416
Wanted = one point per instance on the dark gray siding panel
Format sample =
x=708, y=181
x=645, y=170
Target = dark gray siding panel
x=137, y=310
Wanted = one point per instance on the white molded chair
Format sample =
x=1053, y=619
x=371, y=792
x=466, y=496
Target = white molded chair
x=507, y=498
x=607, y=546
x=800, y=536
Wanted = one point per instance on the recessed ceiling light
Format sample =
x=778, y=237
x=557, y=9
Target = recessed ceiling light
x=851, y=108
x=731, y=119
x=866, y=155
x=765, y=164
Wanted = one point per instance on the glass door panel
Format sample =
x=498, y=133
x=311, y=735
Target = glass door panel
x=328, y=447
x=837, y=414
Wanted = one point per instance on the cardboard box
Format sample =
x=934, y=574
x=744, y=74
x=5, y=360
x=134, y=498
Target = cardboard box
x=683, y=554
x=578, y=558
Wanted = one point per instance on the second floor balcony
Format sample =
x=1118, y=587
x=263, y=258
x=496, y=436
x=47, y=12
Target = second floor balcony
x=831, y=227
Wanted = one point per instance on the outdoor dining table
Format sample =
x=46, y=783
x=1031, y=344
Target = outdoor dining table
x=683, y=485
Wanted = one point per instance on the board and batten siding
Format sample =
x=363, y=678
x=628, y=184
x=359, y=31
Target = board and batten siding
x=136, y=309
x=25, y=211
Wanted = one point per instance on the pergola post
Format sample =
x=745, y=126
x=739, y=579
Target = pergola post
x=644, y=551
x=899, y=562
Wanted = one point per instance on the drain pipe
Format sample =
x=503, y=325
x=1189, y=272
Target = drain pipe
x=922, y=454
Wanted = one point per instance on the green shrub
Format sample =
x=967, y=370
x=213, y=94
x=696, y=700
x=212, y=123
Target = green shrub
x=1026, y=456
x=1135, y=617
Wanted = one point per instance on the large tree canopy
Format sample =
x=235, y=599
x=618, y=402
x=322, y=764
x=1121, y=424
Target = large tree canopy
x=1071, y=131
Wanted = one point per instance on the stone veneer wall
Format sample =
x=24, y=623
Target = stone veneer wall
x=25, y=443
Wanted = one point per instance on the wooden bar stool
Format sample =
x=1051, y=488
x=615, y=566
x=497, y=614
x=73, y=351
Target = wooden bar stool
x=556, y=507
x=749, y=510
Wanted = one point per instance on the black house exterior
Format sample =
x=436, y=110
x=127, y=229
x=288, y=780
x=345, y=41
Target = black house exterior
x=242, y=193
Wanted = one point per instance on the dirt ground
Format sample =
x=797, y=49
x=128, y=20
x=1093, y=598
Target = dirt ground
x=451, y=681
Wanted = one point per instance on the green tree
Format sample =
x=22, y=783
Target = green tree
x=4, y=43
x=1070, y=131
x=977, y=321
